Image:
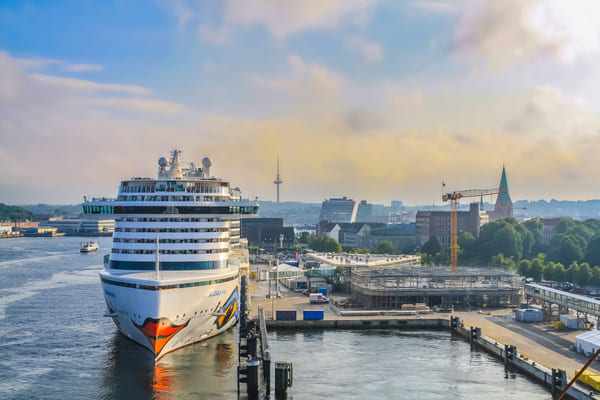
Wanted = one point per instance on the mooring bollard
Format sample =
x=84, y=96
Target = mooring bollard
x=253, y=383
x=283, y=378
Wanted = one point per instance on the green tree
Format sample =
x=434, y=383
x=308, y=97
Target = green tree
x=592, y=251
x=325, y=244
x=304, y=237
x=524, y=267
x=466, y=247
x=386, y=247
x=432, y=246
x=536, y=270
x=567, y=248
x=582, y=274
x=595, y=277
x=501, y=262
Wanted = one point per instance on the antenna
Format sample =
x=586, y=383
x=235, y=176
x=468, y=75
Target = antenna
x=278, y=180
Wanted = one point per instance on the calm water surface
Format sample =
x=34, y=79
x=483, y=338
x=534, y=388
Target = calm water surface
x=56, y=344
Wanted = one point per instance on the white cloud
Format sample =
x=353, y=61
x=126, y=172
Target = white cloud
x=131, y=103
x=84, y=85
x=370, y=51
x=284, y=18
x=513, y=31
x=280, y=18
x=42, y=63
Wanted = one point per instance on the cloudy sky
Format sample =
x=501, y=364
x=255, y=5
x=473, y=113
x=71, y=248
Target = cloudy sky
x=376, y=100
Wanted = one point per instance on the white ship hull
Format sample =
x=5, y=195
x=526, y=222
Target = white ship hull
x=168, y=319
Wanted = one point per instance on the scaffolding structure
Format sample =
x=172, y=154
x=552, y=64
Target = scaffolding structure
x=389, y=288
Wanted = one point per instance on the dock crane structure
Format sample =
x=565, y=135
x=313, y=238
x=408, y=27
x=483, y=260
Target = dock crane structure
x=453, y=198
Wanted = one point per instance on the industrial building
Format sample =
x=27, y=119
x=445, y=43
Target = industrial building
x=389, y=288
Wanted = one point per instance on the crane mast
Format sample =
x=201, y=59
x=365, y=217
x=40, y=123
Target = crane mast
x=453, y=198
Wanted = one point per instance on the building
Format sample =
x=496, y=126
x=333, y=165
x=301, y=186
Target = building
x=437, y=223
x=94, y=226
x=64, y=225
x=266, y=232
x=364, y=213
x=390, y=288
x=402, y=236
x=549, y=229
x=504, y=206
x=338, y=210
x=356, y=234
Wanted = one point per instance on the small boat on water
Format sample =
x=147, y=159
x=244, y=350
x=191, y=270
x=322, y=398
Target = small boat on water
x=89, y=247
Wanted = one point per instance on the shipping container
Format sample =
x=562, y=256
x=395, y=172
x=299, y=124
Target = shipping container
x=529, y=315
x=313, y=314
x=283, y=315
x=572, y=322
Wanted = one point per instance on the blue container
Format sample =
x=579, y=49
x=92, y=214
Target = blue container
x=301, y=285
x=283, y=315
x=323, y=291
x=313, y=314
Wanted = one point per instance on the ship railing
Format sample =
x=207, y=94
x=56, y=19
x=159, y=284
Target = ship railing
x=102, y=199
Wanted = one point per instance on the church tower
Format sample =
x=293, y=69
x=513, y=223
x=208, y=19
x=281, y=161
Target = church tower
x=504, y=205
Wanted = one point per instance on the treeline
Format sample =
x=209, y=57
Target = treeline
x=14, y=214
x=506, y=243
x=330, y=245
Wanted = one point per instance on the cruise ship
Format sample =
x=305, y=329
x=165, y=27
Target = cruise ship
x=172, y=276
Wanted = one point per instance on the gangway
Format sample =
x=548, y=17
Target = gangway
x=582, y=304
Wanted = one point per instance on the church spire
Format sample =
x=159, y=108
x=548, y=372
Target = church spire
x=505, y=196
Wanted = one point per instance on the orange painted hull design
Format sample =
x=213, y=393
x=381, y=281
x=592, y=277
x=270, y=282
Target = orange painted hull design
x=229, y=310
x=159, y=332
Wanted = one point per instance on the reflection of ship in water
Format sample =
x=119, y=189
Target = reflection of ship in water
x=202, y=370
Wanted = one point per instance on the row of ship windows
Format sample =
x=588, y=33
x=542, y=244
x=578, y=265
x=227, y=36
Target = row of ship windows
x=172, y=186
x=121, y=240
x=171, y=230
x=172, y=198
x=141, y=219
x=167, y=209
x=195, y=251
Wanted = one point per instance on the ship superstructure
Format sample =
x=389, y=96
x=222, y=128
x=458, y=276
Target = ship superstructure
x=172, y=276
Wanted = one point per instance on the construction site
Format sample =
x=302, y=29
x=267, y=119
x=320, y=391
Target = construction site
x=444, y=287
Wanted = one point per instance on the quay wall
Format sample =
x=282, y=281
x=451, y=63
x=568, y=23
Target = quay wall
x=361, y=324
x=520, y=362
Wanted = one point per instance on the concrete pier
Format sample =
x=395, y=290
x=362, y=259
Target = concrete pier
x=539, y=346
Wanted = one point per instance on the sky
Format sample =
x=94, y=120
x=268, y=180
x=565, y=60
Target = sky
x=374, y=100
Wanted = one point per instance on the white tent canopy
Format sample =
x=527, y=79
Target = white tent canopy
x=588, y=343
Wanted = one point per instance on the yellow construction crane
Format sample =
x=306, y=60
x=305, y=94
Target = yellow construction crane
x=453, y=198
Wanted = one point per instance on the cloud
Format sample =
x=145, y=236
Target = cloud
x=370, y=51
x=132, y=104
x=84, y=85
x=549, y=114
x=516, y=31
x=436, y=7
x=42, y=63
x=286, y=18
x=304, y=79
x=213, y=36
x=280, y=18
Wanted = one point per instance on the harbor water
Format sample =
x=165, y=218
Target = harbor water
x=56, y=344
